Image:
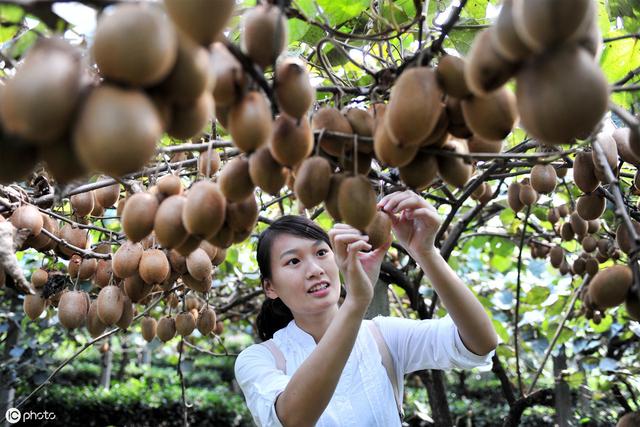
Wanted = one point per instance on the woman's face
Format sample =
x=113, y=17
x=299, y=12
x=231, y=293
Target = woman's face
x=304, y=274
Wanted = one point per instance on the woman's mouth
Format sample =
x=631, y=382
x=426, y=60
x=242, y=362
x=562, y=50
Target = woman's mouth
x=320, y=289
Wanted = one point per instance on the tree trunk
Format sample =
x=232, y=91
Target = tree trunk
x=124, y=360
x=106, y=363
x=380, y=302
x=562, y=391
x=434, y=382
x=7, y=392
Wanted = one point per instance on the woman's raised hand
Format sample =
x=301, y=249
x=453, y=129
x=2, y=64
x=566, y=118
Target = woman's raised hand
x=347, y=245
x=415, y=222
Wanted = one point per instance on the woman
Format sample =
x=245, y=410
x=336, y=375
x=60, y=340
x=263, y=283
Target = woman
x=333, y=374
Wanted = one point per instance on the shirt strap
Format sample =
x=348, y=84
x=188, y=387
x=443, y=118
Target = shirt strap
x=277, y=354
x=387, y=362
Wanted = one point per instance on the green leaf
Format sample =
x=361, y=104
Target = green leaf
x=339, y=12
x=501, y=263
x=537, y=295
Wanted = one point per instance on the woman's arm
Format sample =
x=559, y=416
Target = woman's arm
x=311, y=387
x=415, y=228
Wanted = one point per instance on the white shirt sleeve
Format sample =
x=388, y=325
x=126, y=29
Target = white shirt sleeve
x=428, y=344
x=261, y=383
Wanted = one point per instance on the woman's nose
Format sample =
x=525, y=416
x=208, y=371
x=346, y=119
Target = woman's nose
x=314, y=269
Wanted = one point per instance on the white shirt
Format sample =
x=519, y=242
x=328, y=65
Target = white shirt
x=364, y=395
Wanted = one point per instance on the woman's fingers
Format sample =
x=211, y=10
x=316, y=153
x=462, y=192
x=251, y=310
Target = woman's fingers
x=389, y=204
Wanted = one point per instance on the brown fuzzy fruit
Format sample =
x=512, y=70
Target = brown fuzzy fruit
x=202, y=20
x=486, y=70
x=34, y=305
x=357, y=202
x=189, y=245
x=127, y=314
x=294, y=92
x=126, y=260
x=414, y=106
x=109, y=195
x=453, y=170
x=28, y=217
x=420, y=172
x=362, y=124
x=168, y=227
x=556, y=256
x=154, y=266
x=513, y=196
x=331, y=201
x=607, y=145
x=506, y=40
x=389, y=153
x=628, y=144
x=82, y=203
x=578, y=225
x=209, y=162
x=104, y=273
x=450, y=75
x=242, y=216
x=591, y=206
x=116, y=131
x=331, y=120
x=185, y=324
x=610, y=286
x=264, y=34
x=138, y=215
x=250, y=122
x=566, y=232
x=77, y=237
x=135, y=44
x=528, y=195
x=197, y=285
x=266, y=172
x=589, y=243
x=206, y=320
x=312, y=181
x=166, y=328
x=94, y=324
x=199, y=264
x=188, y=120
x=291, y=142
x=136, y=288
x=379, y=230
x=491, y=117
x=73, y=308
x=229, y=77
x=204, y=211
x=543, y=178
x=584, y=172
x=559, y=116
x=622, y=236
x=148, y=327
x=39, y=278
x=235, y=180
x=110, y=304
x=479, y=145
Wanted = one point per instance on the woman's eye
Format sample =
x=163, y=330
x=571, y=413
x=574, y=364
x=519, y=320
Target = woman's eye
x=322, y=252
x=291, y=261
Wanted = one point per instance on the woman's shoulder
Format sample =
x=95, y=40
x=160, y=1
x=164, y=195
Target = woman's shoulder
x=255, y=355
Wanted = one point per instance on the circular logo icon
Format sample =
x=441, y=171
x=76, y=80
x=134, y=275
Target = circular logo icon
x=12, y=415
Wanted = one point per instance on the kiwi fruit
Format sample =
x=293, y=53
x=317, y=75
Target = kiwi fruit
x=478, y=193
x=362, y=124
x=189, y=245
x=389, y=153
x=578, y=225
x=538, y=22
x=178, y=262
x=107, y=196
x=453, y=170
x=457, y=125
x=291, y=142
x=266, y=172
x=221, y=255
x=138, y=215
x=584, y=174
x=166, y=328
x=42, y=241
x=543, y=178
x=607, y=145
x=414, y=106
x=556, y=256
x=609, y=287
x=202, y=20
x=136, y=288
x=219, y=329
x=73, y=308
x=103, y=274
x=208, y=163
x=622, y=236
x=126, y=260
x=204, y=210
x=235, y=180
x=330, y=119
x=559, y=116
x=94, y=324
x=185, y=324
x=450, y=76
x=379, y=230
x=206, y=321
x=264, y=34
x=486, y=70
x=167, y=225
x=632, y=304
x=593, y=226
x=110, y=304
x=38, y=103
x=439, y=135
x=34, y=305
x=154, y=266
x=479, y=145
x=628, y=144
x=312, y=181
x=491, y=117
x=170, y=184
x=528, y=195
x=579, y=266
x=82, y=203
x=28, y=217
x=197, y=285
x=190, y=76
x=506, y=40
x=135, y=44
x=39, y=278
x=591, y=266
x=420, y=172
x=127, y=313
x=566, y=232
x=116, y=131
x=348, y=162
x=293, y=89
x=357, y=202
x=553, y=216
x=148, y=326
x=331, y=201
x=589, y=243
x=228, y=75
x=188, y=120
x=199, y=264
x=590, y=206
x=513, y=196
x=75, y=236
x=250, y=122
x=377, y=110
x=85, y=268
x=242, y=216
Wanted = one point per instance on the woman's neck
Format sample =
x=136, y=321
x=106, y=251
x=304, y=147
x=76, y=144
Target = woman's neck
x=316, y=324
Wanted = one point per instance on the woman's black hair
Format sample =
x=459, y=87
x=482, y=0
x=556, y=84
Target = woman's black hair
x=274, y=314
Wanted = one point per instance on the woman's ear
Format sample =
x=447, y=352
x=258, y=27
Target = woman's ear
x=269, y=291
